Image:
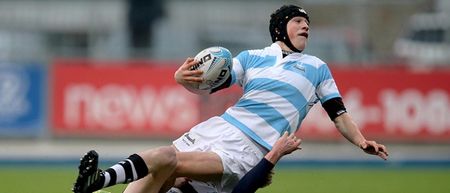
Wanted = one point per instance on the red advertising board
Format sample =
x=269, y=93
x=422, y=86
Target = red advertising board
x=144, y=100
x=390, y=104
x=118, y=99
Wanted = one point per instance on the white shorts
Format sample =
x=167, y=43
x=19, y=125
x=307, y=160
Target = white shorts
x=238, y=152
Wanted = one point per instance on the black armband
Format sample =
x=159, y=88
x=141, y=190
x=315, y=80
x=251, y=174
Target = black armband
x=334, y=107
x=226, y=84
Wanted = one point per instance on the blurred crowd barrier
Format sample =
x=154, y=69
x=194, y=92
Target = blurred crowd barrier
x=363, y=32
x=140, y=99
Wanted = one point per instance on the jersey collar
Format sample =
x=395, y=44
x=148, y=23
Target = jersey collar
x=280, y=52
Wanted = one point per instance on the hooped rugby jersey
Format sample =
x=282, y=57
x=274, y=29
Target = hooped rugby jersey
x=277, y=92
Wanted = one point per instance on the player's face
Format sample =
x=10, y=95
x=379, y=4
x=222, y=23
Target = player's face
x=298, y=32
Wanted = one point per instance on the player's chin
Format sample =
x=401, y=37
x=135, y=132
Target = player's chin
x=300, y=44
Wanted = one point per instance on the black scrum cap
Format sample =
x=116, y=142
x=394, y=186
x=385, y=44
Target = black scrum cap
x=279, y=20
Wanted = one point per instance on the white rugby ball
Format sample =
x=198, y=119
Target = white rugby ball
x=216, y=64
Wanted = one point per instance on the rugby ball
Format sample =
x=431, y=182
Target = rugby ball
x=216, y=64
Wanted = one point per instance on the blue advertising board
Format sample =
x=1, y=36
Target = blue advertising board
x=22, y=91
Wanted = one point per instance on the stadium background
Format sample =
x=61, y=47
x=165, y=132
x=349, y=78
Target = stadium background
x=97, y=74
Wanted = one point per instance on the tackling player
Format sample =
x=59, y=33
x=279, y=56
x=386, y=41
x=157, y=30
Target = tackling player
x=280, y=85
x=258, y=177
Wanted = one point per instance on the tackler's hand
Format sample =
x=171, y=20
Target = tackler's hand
x=287, y=144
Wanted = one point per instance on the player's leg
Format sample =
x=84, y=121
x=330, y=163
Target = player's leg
x=160, y=170
x=203, y=166
x=160, y=161
x=150, y=184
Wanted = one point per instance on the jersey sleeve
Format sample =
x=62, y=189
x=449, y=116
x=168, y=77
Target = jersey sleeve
x=327, y=88
x=237, y=73
x=239, y=65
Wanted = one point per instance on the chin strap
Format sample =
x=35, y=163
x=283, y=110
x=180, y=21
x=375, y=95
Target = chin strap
x=292, y=47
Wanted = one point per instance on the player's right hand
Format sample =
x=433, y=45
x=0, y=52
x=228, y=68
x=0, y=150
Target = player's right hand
x=186, y=76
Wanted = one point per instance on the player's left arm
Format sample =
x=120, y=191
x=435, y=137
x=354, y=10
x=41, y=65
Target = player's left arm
x=348, y=128
x=335, y=108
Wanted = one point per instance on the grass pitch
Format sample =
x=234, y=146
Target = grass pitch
x=47, y=179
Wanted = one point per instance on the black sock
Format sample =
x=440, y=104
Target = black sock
x=128, y=170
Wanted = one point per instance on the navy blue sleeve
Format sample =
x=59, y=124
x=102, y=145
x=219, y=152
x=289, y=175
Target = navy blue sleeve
x=255, y=178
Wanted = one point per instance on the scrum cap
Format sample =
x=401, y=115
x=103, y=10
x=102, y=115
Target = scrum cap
x=279, y=20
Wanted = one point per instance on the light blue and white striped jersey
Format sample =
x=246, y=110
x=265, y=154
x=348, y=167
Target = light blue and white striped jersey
x=278, y=92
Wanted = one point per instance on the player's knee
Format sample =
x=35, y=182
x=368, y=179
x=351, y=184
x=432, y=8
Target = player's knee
x=165, y=157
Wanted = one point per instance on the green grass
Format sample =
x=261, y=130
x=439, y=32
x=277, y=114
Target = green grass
x=358, y=181
x=297, y=180
x=41, y=180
